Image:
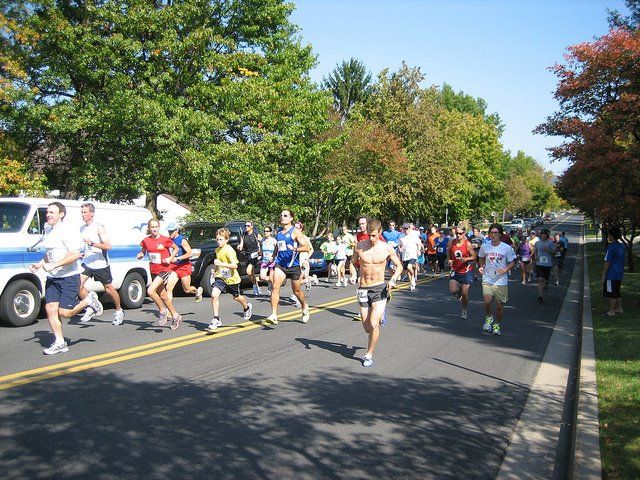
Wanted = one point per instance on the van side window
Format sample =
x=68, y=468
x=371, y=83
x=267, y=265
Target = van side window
x=36, y=227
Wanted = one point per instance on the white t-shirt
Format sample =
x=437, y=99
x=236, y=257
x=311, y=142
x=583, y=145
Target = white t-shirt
x=58, y=242
x=410, y=245
x=341, y=251
x=496, y=257
x=93, y=257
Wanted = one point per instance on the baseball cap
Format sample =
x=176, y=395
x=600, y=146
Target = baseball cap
x=172, y=226
x=421, y=228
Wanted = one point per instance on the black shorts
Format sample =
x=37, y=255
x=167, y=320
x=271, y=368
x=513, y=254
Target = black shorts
x=463, y=278
x=102, y=275
x=543, y=272
x=62, y=290
x=290, y=272
x=348, y=260
x=441, y=260
x=406, y=263
x=433, y=258
x=370, y=295
x=224, y=287
x=163, y=275
x=611, y=288
x=253, y=261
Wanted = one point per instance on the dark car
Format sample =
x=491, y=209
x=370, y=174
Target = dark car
x=317, y=263
x=202, y=239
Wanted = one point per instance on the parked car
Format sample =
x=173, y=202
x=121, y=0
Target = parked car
x=317, y=263
x=202, y=238
x=516, y=224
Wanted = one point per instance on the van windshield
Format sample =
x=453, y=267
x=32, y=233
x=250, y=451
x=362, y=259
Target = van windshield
x=12, y=216
x=199, y=234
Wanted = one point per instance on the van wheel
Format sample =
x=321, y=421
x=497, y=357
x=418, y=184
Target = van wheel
x=205, y=282
x=133, y=291
x=20, y=303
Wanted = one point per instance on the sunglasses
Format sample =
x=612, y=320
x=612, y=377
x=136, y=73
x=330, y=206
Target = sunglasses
x=459, y=233
x=285, y=215
x=494, y=232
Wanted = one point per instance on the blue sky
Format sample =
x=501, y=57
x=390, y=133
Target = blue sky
x=495, y=49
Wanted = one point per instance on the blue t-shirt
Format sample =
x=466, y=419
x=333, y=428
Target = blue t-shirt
x=178, y=243
x=615, y=257
x=392, y=237
x=441, y=246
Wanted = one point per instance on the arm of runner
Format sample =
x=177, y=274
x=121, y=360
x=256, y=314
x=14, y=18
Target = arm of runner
x=105, y=243
x=241, y=244
x=66, y=260
x=473, y=255
x=303, y=245
x=398, y=264
x=449, y=259
x=187, y=251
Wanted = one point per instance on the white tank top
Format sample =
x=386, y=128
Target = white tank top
x=93, y=257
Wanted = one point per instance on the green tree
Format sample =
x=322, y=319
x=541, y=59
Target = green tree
x=350, y=83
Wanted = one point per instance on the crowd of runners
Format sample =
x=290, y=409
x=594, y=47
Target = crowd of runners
x=373, y=261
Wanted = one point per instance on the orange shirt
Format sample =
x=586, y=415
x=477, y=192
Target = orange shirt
x=431, y=243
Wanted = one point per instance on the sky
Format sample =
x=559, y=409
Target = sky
x=499, y=50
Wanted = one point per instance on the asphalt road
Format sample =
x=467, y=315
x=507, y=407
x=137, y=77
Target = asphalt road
x=290, y=401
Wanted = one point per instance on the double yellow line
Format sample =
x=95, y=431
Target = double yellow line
x=51, y=371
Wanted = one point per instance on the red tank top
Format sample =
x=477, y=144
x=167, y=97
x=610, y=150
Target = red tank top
x=457, y=252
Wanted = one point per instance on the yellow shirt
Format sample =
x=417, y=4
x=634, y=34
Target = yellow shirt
x=227, y=254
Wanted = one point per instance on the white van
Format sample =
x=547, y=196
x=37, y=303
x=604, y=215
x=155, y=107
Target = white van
x=22, y=222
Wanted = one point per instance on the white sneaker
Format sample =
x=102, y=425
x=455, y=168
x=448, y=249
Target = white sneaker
x=95, y=303
x=305, y=314
x=367, y=361
x=163, y=317
x=199, y=293
x=247, y=313
x=88, y=315
x=464, y=315
x=315, y=279
x=256, y=290
x=118, y=317
x=338, y=284
x=213, y=326
x=295, y=300
x=307, y=285
x=273, y=318
x=56, y=348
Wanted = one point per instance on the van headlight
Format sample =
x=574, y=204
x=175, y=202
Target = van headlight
x=195, y=253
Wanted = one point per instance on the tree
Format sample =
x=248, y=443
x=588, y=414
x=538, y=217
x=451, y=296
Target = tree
x=599, y=95
x=201, y=99
x=350, y=83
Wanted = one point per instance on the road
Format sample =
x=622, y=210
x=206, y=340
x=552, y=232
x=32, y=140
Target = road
x=285, y=401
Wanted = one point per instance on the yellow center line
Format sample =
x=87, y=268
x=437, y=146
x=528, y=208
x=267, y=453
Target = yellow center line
x=118, y=356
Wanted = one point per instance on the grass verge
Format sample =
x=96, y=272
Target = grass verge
x=617, y=344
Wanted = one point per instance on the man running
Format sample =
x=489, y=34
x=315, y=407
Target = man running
x=392, y=237
x=329, y=249
x=371, y=256
x=349, y=241
x=542, y=257
x=95, y=262
x=461, y=257
x=250, y=246
x=496, y=259
x=432, y=256
x=291, y=242
x=63, y=247
x=411, y=246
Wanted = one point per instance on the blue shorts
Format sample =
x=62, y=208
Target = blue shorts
x=463, y=278
x=62, y=290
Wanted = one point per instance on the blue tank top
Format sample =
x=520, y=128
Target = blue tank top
x=286, y=257
x=178, y=243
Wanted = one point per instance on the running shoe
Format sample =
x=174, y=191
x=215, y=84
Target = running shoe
x=273, y=319
x=315, y=279
x=357, y=317
x=213, y=326
x=488, y=322
x=523, y=283
x=256, y=291
x=163, y=317
x=88, y=314
x=175, y=322
x=118, y=317
x=464, y=315
x=95, y=303
x=307, y=285
x=557, y=283
x=383, y=320
x=56, y=348
x=540, y=300
x=338, y=284
x=247, y=313
x=305, y=314
x=367, y=361
x=496, y=329
x=442, y=276
x=199, y=293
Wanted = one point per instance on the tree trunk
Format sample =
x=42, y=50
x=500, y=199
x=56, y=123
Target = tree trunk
x=317, y=221
x=151, y=202
x=628, y=236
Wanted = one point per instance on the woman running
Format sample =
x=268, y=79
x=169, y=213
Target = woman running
x=182, y=264
x=267, y=263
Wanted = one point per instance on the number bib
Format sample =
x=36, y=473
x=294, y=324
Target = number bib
x=225, y=272
x=155, y=258
x=254, y=255
x=362, y=294
x=282, y=246
x=543, y=261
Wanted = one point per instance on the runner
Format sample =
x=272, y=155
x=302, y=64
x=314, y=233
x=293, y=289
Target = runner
x=250, y=246
x=565, y=244
x=496, y=259
x=476, y=239
x=441, y=245
x=182, y=264
x=543, y=253
x=361, y=235
x=226, y=279
x=329, y=249
x=557, y=259
x=533, y=239
x=411, y=246
x=350, y=242
x=63, y=247
x=524, y=255
x=431, y=249
x=392, y=237
x=291, y=242
x=161, y=251
x=95, y=262
x=305, y=268
x=461, y=257
x=371, y=255
x=341, y=258
x=267, y=263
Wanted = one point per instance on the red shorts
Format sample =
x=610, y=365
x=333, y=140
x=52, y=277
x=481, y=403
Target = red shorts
x=183, y=270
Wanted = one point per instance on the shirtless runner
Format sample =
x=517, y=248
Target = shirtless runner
x=371, y=256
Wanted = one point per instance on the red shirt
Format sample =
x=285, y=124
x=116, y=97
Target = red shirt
x=158, y=250
x=457, y=252
x=360, y=236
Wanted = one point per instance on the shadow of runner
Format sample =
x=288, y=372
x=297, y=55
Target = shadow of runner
x=340, y=348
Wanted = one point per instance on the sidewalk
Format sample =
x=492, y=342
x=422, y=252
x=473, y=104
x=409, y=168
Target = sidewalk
x=533, y=449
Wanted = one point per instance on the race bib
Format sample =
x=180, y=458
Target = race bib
x=362, y=294
x=282, y=246
x=440, y=249
x=225, y=272
x=254, y=255
x=558, y=254
x=50, y=257
x=155, y=258
x=525, y=258
x=543, y=260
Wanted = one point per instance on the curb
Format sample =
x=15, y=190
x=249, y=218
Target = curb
x=587, y=464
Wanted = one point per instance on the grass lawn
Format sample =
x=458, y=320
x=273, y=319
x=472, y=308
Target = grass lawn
x=617, y=342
